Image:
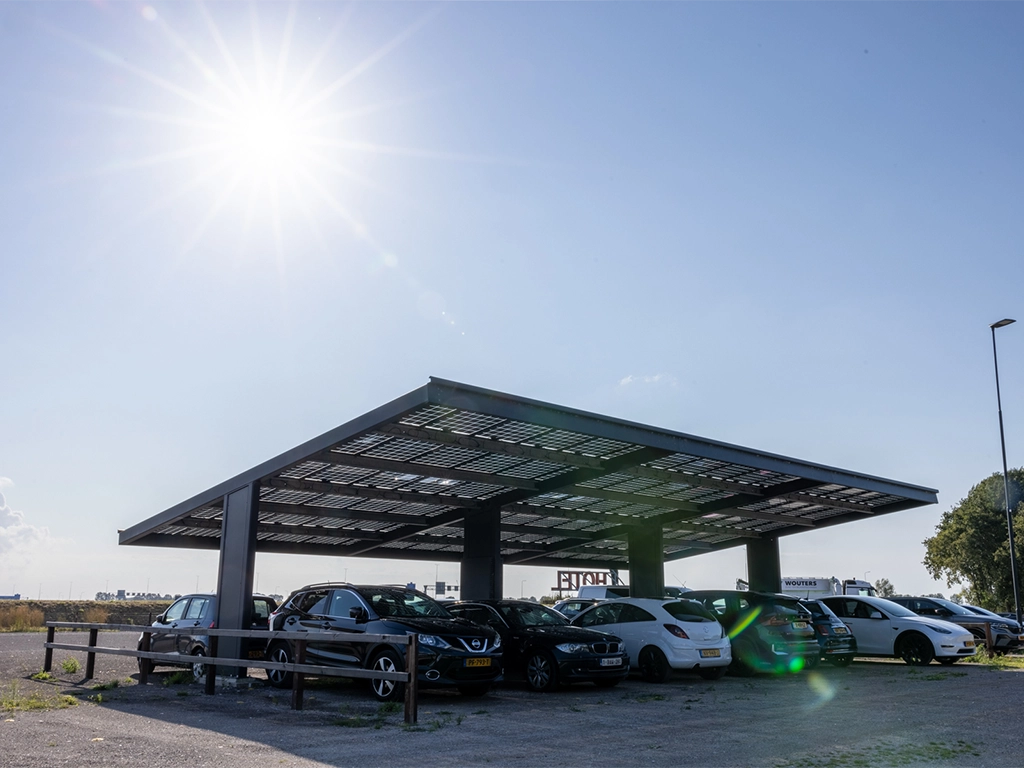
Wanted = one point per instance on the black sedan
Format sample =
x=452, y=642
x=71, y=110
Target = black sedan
x=540, y=645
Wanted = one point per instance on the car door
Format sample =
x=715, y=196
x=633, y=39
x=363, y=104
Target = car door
x=640, y=626
x=338, y=618
x=872, y=627
x=164, y=643
x=309, y=616
x=192, y=619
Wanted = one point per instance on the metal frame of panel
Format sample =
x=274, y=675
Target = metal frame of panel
x=569, y=487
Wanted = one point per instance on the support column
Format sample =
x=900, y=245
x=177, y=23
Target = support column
x=481, y=556
x=237, y=566
x=764, y=571
x=646, y=562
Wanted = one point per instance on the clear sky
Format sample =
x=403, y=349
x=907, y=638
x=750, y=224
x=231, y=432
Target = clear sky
x=226, y=229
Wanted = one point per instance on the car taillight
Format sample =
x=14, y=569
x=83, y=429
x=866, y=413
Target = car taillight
x=778, y=621
x=822, y=630
x=213, y=625
x=676, y=630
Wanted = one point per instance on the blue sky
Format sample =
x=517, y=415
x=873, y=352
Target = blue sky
x=229, y=228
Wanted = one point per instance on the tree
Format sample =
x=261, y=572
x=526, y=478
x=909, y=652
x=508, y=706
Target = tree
x=884, y=588
x=971, y=547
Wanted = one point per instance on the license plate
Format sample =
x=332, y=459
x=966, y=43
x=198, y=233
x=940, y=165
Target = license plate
x=479, y=662
x=799, y=625
x=710, y=653
x=616, y=662
x=255, y=654
x=840, y=630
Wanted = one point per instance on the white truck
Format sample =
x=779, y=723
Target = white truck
x=815, y=587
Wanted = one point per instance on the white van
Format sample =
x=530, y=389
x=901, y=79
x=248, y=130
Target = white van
x=592, y=592
x=817, y=587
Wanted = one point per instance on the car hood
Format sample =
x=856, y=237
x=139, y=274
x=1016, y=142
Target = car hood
x=425, y=625
x=956, y=629
x=569, y=634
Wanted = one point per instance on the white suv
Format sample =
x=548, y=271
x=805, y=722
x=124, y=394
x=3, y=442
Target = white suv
x=663, y=635
x=884, y=628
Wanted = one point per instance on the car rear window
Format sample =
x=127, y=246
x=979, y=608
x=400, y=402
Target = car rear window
x=688, y=610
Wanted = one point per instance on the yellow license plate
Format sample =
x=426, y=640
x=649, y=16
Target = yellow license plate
x=255, y=654
x=478, y=662
x=799, y=625
x=710, y=653
x=840, y=630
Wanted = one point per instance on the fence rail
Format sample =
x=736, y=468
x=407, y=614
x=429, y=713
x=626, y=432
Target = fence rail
x=299, y=668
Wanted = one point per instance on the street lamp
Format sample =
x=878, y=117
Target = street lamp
x=522, y=588
x=1006, y=481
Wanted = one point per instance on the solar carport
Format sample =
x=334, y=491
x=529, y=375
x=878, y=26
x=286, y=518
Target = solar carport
x=451, y=472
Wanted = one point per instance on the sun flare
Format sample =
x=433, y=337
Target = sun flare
x=263, y=137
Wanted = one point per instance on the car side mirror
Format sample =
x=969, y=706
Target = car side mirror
x=876, y=615
x=358, y=613
x=161, y=619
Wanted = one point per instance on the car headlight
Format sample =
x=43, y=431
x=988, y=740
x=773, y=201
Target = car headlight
x=497, y=642
x=434, y=641
x=1001, y=627
x=573, y=647
x=940, y=630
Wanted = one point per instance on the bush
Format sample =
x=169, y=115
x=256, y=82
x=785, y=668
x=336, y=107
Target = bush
x=70, y=665
x=19, y=618
x=96, y=615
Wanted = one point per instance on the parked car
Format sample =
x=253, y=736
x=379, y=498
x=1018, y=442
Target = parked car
x=885, y=628
x=200, y=612
x=1014, y=626
x=1006, y=635
x=453, y=652
x=837, y=643
x=540, y=645
x=574, y=605
x=594, y=592
x=663, y=635
x=769, y=632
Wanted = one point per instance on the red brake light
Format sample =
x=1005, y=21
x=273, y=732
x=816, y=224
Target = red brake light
x=213, y=625
x=676, y=630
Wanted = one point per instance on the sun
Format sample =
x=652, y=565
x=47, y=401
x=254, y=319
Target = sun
x=264, y=138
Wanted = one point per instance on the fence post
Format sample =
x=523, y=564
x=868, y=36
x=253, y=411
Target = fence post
x=48, y=661
x=211, y=669
x=144, y=664
x=989, y=642
x=298, y=679
x=412, y=670
x=90, y=657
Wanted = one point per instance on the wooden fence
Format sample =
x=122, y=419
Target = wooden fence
x=298, y=668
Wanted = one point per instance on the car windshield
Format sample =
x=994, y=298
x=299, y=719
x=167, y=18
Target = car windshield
x=403, y=603
x=893, y=609
x=532, y=616
x=688, y=610
x=817, y=609
x=959, y=610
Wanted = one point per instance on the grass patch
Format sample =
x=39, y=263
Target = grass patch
x=107, y=686
x=41, y=676
x=70, y=665
x=182, y=677
x=643, y=698
x=889, y=755
x=20, y=618
x=1000, y=662
x=13, y=700
x=436, y=724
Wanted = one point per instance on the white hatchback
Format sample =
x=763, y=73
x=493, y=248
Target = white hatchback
x=885, y=628
x=663, y=635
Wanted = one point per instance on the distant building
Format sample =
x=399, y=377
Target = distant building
x=11, y=597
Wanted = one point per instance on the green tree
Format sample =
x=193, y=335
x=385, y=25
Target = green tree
x=884, y=588
x=970, y=546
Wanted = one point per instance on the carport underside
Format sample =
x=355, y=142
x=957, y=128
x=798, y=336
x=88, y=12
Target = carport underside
x=458, y=473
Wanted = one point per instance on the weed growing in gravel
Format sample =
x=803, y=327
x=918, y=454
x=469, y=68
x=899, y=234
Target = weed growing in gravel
x=70, y=665
x=107, y=686
x=436, y=724
x=183, y=677
x=41, y=676
x=644, y=697
x=1000, y=662
x=11, y=700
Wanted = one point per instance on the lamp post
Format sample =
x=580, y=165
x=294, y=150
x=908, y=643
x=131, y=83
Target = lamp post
x=522, y=588
x=1006, y=481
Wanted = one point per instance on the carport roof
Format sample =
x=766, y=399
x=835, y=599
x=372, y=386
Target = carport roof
x=398, y=481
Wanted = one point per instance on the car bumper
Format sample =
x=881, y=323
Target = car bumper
x=838, y=646
x=692, y=657
x=458, y=669
x=586, y=669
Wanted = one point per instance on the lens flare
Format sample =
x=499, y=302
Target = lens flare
x=745, y=621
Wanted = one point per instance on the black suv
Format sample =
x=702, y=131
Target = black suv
x=452, y=652
x=769, y=632
x=199, y=612
x=1006, y=634
x=544, y=648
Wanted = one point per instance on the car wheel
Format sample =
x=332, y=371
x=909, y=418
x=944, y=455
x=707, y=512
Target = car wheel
x=281, y=654
x=916, y=650
x=609, y=682
x=810, y=662
x=198, y=666
x=948, y=661
x=843, y=660
x=712, y=673
x=541, y=673
x=474, y=691
x=654, y=666
x=387, y=690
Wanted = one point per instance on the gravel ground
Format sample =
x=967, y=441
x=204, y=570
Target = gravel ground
x=869, y=714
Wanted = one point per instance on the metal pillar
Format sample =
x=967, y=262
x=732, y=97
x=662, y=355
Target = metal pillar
x=646, y=562
x=480, y=575
x=764, y=571
x=237, y=566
